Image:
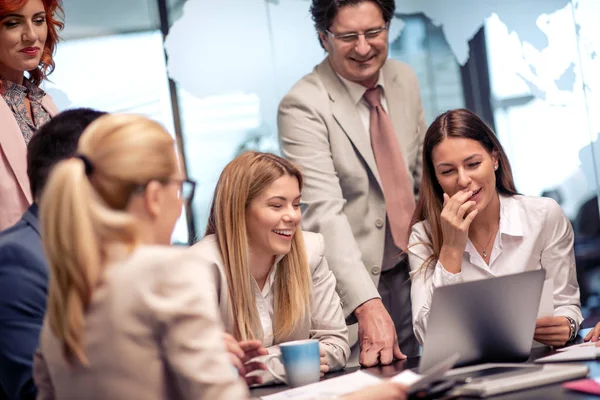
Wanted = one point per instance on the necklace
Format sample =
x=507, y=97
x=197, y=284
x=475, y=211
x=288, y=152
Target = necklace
x=485, y=254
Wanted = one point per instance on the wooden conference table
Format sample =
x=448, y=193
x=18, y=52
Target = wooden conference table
x=548, y=392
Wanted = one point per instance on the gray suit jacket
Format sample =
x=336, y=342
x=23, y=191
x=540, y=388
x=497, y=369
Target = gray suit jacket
x=326, y=321
x=152, y=332
x=321, y=132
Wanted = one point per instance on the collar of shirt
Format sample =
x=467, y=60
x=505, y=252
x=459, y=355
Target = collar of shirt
x=12, y=90
x=510, y=224
x=270, y=278
x=357, y=91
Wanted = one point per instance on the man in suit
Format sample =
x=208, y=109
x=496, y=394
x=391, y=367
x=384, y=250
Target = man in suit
x=23, y=268
x=355, y=126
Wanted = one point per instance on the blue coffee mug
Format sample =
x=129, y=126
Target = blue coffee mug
x=301, y=360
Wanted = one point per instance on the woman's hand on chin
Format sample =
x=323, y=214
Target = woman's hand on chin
x=456, y=218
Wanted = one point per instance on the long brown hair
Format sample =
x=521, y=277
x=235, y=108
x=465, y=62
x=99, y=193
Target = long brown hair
x=459, y=123
x=242, y=180
x=54, y=21
x=83, y=212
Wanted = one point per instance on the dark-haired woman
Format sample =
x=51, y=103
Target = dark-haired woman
x=472, y=224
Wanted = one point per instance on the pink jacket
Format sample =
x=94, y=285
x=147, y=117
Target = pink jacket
x=15, y=195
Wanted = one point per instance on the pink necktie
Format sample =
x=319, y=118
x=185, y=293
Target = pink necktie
x=397, y=189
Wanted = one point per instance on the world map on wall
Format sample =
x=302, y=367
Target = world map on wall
x=289, y=25
x=547, y=32
x=235, y=59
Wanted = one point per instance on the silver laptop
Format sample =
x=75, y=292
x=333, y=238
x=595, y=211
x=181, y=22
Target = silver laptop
x=489, y=320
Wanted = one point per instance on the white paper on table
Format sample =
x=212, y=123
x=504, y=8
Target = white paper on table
x=578, y=354
x=547, y=301
x=328, y=388
x=407, y=378
x=339, y=386
x=578, y=346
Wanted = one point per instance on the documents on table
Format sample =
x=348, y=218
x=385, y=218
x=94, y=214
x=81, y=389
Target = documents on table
x=339, y=386
x=578, y=352
x=547, y=301
x=579, y=346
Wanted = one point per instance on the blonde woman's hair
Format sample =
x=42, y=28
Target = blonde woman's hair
x=83, y=212
x=241, y=181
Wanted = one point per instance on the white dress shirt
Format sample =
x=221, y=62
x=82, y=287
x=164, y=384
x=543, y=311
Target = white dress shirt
x=357, y=92
x=534, y=233
x=265, y=305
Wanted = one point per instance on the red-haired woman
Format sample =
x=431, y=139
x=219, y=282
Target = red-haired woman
x=28, y=36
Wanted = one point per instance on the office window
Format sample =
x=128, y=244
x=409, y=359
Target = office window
x=230, y=87
x=543, y=80
x=112, y=59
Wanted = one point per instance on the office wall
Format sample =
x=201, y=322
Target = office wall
x=233, y=60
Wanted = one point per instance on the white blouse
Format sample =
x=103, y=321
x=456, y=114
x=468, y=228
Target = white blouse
x=265, y=303
x=534, y=233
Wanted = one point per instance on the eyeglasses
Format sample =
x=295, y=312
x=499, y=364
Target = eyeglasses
x=353, y=36
x=187, y=188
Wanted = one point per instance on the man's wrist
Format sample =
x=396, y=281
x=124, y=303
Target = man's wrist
x=366, y=306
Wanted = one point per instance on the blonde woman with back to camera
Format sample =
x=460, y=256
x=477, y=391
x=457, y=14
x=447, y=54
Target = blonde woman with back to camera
x=128, y=317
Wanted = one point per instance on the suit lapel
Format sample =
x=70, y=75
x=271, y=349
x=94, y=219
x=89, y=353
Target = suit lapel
x=14, y=148
x=13, y=145
x=346, y=115
x=49, y=105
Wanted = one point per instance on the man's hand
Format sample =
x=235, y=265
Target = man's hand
x=553, y=331
x=376, y=334
x=241, y=352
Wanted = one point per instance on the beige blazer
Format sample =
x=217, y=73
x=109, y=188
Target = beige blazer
x=152, y=331
x=15, y=195
x=326, y=321
x=321, y=132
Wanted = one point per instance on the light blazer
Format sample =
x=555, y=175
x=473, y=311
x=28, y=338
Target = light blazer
x=321, y=132
x=326, y=322
x=152, y=332
x=15, y=194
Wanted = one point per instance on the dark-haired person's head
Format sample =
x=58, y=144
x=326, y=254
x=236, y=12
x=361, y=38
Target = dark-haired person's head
x=461, y=137
x=53, y=142
x=355, y=34
x=460, y=153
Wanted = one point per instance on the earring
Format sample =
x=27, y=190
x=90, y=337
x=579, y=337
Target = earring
x=495, y=167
